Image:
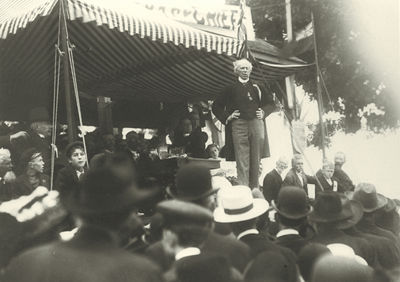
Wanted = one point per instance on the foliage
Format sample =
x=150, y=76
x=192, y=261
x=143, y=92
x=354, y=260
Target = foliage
x=353, y=82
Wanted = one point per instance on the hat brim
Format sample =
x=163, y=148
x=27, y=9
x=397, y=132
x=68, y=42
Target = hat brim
x=292, y=216
x=260, y=206
x=317, y=218
x=357, y=214
x=190, y=198
x=381, y=202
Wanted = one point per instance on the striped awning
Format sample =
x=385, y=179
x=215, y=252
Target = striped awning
x=127, y=53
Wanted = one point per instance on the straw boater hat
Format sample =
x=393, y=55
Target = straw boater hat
x=238, y=204
x=365, y=193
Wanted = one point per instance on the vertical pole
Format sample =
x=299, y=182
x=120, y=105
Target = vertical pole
x=289, y=81
x=72, y=134
x=319, y=95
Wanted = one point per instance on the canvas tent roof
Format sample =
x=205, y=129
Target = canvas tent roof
x=128, y=54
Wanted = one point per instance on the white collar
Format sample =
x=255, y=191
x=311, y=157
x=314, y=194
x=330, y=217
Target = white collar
x=288, y=231
x=247, y=232
x=187, y=252
x=243, y=80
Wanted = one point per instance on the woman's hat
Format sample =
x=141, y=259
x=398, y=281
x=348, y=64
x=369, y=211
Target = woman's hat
x=292, y=203
x=238, y=204
x=365, y=193
x=328, y=208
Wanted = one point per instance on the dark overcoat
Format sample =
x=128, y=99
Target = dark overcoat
x=89, y=257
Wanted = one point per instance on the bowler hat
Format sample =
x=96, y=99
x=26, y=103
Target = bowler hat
x=38, y=114
x=238, y=204
x=192, y=268
x=70, y=146
x=193, y=182
x=292, y=203
x=328, y=208
x=356, y=213
x=107, y=188
x=271, y=266
x=365, y=193
x=177, y=212
x=335, y=268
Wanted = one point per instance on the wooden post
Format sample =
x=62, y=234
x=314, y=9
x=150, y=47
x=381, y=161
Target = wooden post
x=71, y=122
x=104, y=112
x=319, y=95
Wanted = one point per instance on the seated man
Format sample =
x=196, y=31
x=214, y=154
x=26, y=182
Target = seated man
x=296, y=176
x=344, y=181
x=326, y=182
x=273, y=180
x=7, y=177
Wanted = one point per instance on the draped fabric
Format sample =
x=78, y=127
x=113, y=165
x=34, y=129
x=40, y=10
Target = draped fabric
x=128, y=54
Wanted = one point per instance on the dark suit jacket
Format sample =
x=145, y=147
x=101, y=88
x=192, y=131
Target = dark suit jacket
x=223, y=107
x=66, y=180
x=386, y=254
x=344, y=181
x=292, y=179
x=236, y=252
x=293, y=242
x=324, y=183
x=90, y=257
x=338, y=236
x=271, y=185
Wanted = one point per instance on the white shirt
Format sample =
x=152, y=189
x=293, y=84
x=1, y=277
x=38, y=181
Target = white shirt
x=78, y=173
x=288, y=231
x=187, y=252
x=247, y=232
x=243, y=80
x=300, y=175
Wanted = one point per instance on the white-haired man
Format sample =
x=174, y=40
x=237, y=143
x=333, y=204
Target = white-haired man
x=242, y=107
x=326, y=181
x=7, y=176
x=273, y=180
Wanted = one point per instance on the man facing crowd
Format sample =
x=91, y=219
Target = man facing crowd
x=242, y=107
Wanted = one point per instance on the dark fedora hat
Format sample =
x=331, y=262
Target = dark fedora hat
x=292, y=203
x=328, y=208
x=365, y=193
x=38, y=114
x=356, y=213
x=193, y=182
x=107, y=188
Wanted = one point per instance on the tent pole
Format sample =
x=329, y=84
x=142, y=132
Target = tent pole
x=319, y=95
x=71, y=122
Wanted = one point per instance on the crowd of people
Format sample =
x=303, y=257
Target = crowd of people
x=201, y=228
x=114, y=209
